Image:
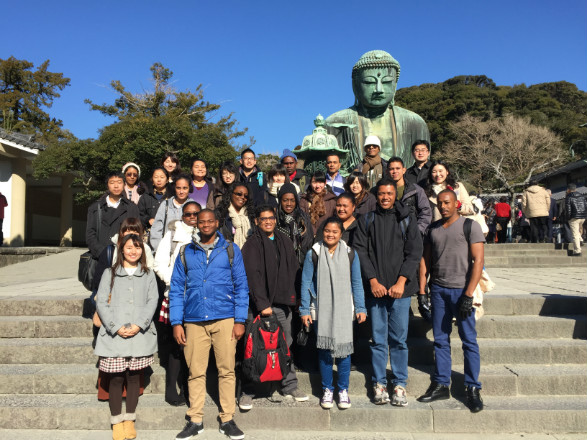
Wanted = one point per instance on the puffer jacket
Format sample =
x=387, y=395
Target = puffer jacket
x=415, y=199
x=575, y=205
x=132, y=300
x=535, y=202
x=214, y=290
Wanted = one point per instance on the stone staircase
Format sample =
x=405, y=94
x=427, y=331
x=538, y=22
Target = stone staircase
x=532, y=255
x=534, y=364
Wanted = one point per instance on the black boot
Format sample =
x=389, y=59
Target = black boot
x=434, y=392
x=474, y=401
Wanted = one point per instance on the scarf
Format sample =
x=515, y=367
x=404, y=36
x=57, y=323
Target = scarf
x=370, y=163
x=334, y=301
x=274, y=188
x=241, y=224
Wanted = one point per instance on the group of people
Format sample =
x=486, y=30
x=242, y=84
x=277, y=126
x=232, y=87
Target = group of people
x=339, y=251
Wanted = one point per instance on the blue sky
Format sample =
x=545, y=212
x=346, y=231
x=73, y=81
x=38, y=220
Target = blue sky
x=276, y=65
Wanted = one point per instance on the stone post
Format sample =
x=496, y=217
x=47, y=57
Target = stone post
x=66, y=218
x=17, y=217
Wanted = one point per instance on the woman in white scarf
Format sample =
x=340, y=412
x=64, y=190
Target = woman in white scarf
x=278, y=177
x=236, y=213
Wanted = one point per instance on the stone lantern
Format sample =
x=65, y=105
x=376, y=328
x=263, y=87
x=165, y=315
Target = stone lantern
x=316, y=147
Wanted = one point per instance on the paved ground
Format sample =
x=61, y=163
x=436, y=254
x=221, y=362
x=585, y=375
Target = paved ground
x=211, y=433
x=56, y=276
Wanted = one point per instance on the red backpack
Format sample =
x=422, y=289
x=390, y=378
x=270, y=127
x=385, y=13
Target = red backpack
x=267, y=355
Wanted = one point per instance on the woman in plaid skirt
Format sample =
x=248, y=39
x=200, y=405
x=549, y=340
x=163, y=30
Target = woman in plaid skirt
x=126, y=301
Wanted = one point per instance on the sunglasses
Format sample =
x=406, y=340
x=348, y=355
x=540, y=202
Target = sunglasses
x=241, y=194
x=190, y=214
x=132, y=175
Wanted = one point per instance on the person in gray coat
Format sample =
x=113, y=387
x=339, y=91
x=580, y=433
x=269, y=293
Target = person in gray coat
x=170, y=210
x=126, y=301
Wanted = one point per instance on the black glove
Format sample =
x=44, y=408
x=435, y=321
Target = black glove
x=424, y=307
x=465, y=306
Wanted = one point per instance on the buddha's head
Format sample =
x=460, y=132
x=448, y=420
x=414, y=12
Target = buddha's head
x=375, y=78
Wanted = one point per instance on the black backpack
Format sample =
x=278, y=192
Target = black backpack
x=267, y=356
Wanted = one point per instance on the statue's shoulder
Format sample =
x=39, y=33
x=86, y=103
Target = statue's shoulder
x=407, y=114
x=346, y=116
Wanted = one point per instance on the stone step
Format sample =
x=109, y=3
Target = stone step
x=535, y=261
x=498, y=380
x=530, y=246
x=562, y=414
x=538, y=304
x=491, y=326
x=212, y=433
x=493, y=351
x=499, y=252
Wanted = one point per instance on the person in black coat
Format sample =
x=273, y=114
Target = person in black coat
x=157, y=192
x=345, y=211
x=112, y=208
x=272, y=268
x=389, y=246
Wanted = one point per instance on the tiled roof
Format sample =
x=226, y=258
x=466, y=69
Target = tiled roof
x=26, y=140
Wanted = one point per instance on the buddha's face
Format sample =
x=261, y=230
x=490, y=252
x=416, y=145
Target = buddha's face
x=375, y=88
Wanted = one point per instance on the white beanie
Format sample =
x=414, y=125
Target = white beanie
x=372, y=140
x=131, y=164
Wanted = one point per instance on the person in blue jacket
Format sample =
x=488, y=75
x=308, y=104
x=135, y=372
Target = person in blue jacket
x=208, y=304
x=332, y=297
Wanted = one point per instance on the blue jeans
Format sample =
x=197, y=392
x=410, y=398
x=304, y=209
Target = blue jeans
x=444, y=307
x=389, y=322
x=344, y=370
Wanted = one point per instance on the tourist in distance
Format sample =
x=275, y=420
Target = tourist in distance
x=418, y=173
x=319, y=201
x=209, y=312
x=357, y=185
x=454, y=263
x=440, y=178
x=332, y=297
x=202, y=190
x=503, y=214
x=227, y=174
x=236, y=214
x=294, y=222
x=126, y=301
x=179, y=233
x=535, y=206
x=334, y=179
x=575, y=210
x=170, y=210
x=157, y=192
x=133, y=188
x=389, y=245
x=272, y=267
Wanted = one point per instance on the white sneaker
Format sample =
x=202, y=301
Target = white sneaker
x=381, y=396
x=399, y=396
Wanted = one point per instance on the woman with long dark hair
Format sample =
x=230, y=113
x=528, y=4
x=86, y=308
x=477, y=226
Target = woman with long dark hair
x=319, y=201
x=440, y=178
x=236, y=214
x=227, y=174
x=157, y=192
x=345, y=212
x=202, y=185
x=170, y=162
x=358, y=186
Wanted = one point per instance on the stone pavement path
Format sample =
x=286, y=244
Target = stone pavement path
x=56, y=276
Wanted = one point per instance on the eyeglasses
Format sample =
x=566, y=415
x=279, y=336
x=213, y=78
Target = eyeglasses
x=267, y=219
x=421, y=150
x=240, y=194
x=190, y=214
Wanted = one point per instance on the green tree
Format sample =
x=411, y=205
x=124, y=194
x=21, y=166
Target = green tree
x=147, y=125
x=560, y=106
x=26, y=94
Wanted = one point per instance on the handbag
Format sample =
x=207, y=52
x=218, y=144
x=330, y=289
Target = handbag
x=485, y=285
x=87, y=263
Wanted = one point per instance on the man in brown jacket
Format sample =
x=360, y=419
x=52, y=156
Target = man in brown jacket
x=535, y=206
